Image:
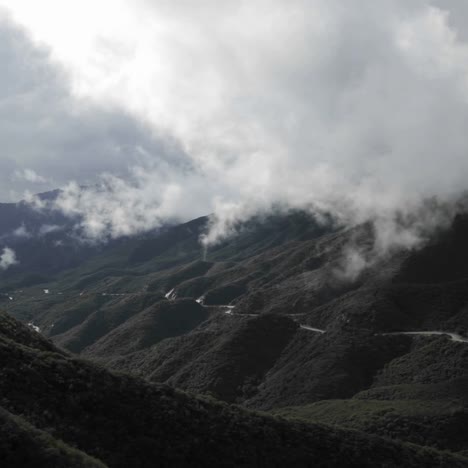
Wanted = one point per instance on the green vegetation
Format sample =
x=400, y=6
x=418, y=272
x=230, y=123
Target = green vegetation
x=22, y=445
x=435, y=423
x=124, y=421
x=288, y=271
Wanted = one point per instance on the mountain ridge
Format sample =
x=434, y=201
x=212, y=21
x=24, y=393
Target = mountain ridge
x=120, y=420
x=269, y=321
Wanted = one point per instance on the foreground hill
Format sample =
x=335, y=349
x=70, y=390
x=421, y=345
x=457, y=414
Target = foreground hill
x=123, y=421
x=22, y=445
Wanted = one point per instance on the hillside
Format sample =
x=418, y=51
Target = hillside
x=272, y=319
x=124, y=421
x=21, y=444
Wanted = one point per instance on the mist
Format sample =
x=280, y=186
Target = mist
x=7, y=258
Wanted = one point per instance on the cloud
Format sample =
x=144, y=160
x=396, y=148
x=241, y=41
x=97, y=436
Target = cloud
x=115, y=207
x=7, y=258
x=352, y=264
x=50, y=137
x=22, y=232
x=28, y=175
x=359, y=109
x=48, y=229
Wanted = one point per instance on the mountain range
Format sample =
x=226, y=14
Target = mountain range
x=269, y=348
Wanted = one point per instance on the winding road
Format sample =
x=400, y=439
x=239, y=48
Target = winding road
x=229, y=310
x=312, y=329
x=453, y=336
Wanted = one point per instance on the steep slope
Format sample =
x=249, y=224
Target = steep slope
x=21, y=444
x=439, y=423
x=124, y=421
x=225, y=357
x=163, y=320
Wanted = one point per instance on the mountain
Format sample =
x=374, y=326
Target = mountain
x=43, y=240
x=276, y=319
x=46, y=242
x=19, y=215
x=51, y=402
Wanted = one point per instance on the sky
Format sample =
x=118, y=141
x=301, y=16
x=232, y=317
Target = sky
x=147, y=111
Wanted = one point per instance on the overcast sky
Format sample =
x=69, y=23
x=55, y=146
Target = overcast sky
x=178, y=108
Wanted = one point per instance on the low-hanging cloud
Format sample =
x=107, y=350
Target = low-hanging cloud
x=355, y=108
x=7, y=258
x=28, y=175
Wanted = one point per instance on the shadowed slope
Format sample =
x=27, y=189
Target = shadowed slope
x=127, y=422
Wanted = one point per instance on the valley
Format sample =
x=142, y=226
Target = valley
x=267, y=321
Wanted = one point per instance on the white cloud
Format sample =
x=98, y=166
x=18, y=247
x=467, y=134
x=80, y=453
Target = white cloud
x=359, y=108
x=7, y=258
x=28, y=175
x=22, y=232
x=48, y=229
x=50, y=137
x=352, y=264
